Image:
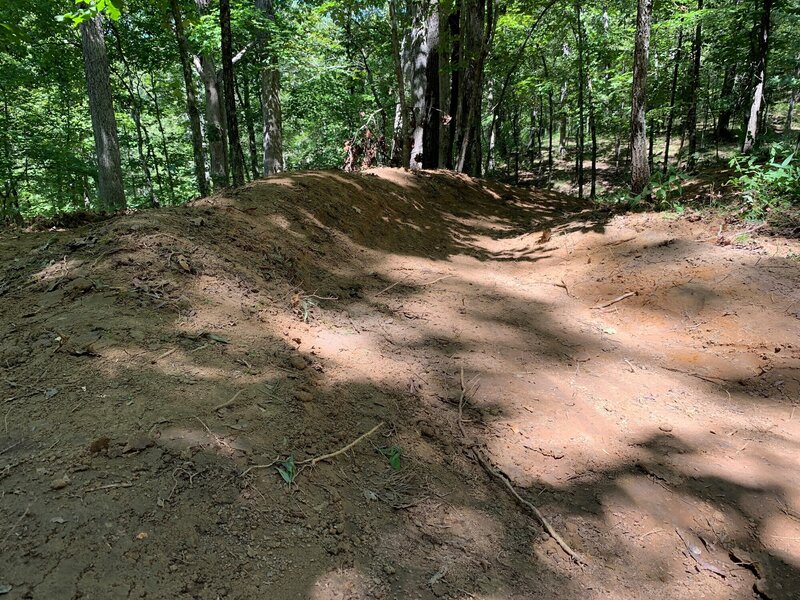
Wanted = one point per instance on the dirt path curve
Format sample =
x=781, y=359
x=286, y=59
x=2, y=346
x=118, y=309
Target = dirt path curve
x=634, y=377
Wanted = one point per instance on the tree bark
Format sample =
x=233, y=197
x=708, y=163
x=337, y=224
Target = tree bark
x=673, y=90
x=640, y=167
x=726, y=102
x=432, y=119
x=580, y=137
x=111, y=194
x=191, y=100
x=694, y=85
x=251, y=129
x=271, y=100
x=416, y=69
x=234, y=144
x=476, y=38
x=215, y=115
x=751, y=131
x=401, y=146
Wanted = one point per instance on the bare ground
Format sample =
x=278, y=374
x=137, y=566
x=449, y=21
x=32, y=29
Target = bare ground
x=154, y=366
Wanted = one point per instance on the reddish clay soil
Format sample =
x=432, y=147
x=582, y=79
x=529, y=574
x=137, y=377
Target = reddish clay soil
x=155, y=365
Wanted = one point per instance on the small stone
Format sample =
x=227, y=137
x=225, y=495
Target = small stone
x=303, y=396
x=388, y=569
x=137, y=442
x=666, y=427
x=60, y=483
x=99, y=445
x=298, y=362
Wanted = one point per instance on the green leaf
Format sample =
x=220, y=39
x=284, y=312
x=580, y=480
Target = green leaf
x=392, y=453
x=287, y=470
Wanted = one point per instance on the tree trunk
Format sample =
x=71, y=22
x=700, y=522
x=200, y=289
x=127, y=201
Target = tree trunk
x=104, y=125
x=235, y=146
x=417, y=76
x=580, y=135
x=454, y=30
x=640, y=167
x=751, y=132
x=401, y=147
x=673, y=90
x=433, y=91
x=134, y=97
x=215, y=116
x=562, y=124
x=164, y=147
x=726, y=102
x=191, y=100
x=249, y=124
x=476, y=38
x=593, y=133
x=694, y=85
x=549, y=123
x=271, y=100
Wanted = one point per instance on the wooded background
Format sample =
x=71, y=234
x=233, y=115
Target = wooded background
x=108, y=104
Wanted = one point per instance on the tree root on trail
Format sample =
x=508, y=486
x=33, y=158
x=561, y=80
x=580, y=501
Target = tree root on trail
x=496, y=473
x=542, y=519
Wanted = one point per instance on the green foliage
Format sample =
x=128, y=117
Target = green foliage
x=287, y=470
x=767, y=185
x=392, y=454
x=89, y=9
x=662, y=193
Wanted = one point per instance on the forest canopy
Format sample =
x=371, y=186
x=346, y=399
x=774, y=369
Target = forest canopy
x=109, y=104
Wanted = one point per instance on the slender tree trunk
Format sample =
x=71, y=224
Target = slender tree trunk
x=134, y=97
x=726, y=103
x=673, y=90
x=215, y=115
x=431, y=154
x=562, y=125
x=162, y=133
x=234, y=144
x=640, y=166
x=593, y=133
x=271, y=100
x=191, y=100
x=111, y=193
x=401, y=141
x=549, y=123
x=250, y=125
x=694, y=85
x=751, y=132
x=456, y=66
x=581, y=81
x=417, y=77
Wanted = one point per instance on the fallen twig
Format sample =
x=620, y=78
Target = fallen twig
x=437, y=280
x=7, y=448
x=227, y=402
x=386, y=289
x=266, y=466
x=313, y=461
x=165, y=355
x=615, y=300
x=109, y=486
x=545, y=523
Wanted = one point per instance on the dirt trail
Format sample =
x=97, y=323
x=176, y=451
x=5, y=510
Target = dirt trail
x=153, y=363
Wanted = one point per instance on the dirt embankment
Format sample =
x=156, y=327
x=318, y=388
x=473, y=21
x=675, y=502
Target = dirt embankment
x=634, y=377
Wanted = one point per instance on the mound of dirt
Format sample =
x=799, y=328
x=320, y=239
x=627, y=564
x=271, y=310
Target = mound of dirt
x=284, y=391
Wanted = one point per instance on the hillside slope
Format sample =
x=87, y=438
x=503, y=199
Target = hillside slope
x=634, y=377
